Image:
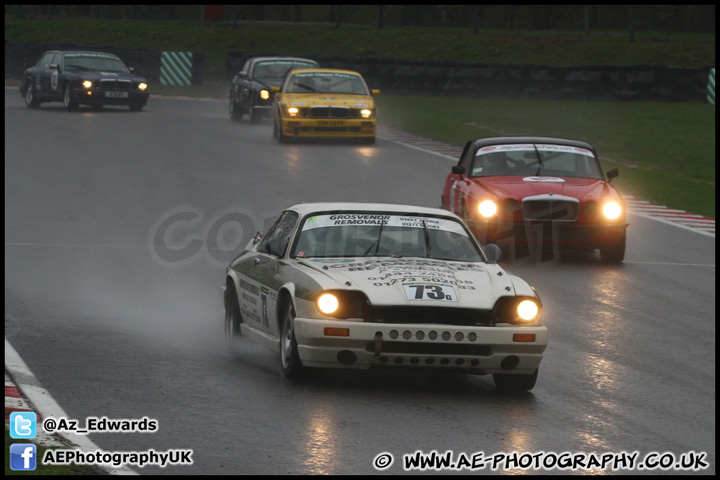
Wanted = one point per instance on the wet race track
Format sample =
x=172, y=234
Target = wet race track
x=118, y=228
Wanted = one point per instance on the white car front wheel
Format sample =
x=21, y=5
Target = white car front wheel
x=233, y=319
x=289, y=359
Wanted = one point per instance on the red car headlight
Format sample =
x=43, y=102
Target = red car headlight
x=612, y=210
x=487, y=208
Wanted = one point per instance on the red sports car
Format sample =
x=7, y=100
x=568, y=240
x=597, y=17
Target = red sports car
x=538, y=192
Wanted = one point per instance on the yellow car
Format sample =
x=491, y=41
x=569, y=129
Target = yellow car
x=323, y=102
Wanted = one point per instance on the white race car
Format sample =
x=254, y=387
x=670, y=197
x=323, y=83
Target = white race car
x=355, y=285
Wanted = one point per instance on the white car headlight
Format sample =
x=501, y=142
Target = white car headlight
x=87, y=84
x=612, y=210
x=528, y=310
x=328, y=303
x=292, y=111
x=264, y=94
x=517, y=310
x=487, y=208
x=142, y=86
x=366, y=113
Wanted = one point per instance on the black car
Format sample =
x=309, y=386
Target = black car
x=83, y=78
x=250, y=89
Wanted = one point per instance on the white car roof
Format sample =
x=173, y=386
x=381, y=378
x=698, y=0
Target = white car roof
x=308, y=208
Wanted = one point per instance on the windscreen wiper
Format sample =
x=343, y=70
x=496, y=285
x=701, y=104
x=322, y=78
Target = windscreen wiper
x=427, y=239
x=377, y=242
x=540, y=162
x=264, y=84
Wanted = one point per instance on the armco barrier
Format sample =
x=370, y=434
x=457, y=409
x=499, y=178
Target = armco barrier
x=592, y=82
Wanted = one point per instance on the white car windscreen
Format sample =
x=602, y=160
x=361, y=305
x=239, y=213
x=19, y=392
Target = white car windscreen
x=359, y=234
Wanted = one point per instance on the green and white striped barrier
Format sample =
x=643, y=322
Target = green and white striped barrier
x=176, y=68
x=711, y=87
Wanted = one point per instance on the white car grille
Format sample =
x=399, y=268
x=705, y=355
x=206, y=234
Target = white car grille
x=438, y=315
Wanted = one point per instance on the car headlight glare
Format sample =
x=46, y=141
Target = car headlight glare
x=292, y=111
x=517, y=310
x=264, y=94
x=487, y=208
x=612, y=210
x=143, y=86
x=528, y=310
x=366, y=113
x=87, y=84
x=327, y=303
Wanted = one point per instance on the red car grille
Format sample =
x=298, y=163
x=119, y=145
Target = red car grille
x=557, y=210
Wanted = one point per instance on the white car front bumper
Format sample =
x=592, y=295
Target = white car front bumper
x=472, y=349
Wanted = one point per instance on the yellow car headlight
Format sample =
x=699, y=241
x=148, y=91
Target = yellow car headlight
x=366, y=113
x=612, y=210
x=327, y=303
x=487, y=208
x=143, y=86
x=87, y=84
x=292, y=111
x=264, y=94
x=528, y=310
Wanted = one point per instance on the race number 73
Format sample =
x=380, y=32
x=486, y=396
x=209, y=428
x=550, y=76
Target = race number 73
x=422, y=291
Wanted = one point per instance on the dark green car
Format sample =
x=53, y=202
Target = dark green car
x=250, y=90
x=83, y=78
